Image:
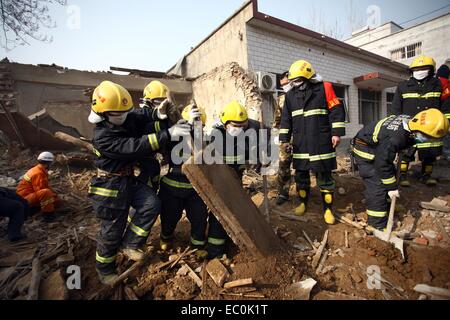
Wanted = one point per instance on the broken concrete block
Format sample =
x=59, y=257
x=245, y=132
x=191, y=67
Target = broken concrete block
x=301, y=290
x=54, y=288
x=217, y=272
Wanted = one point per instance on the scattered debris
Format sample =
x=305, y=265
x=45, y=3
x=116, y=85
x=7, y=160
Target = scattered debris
x=433, y=292
x=238, y=283
x=217, y=272
x=301, y=290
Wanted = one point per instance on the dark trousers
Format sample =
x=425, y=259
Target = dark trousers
x=325, y=180
x=376, y=195
x=173, y=203
x=284, y=174
x=114, y=231
x=16, y=209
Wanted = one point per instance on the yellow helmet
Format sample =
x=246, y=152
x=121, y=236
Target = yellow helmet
x=431, y=122
x=187, y=109
x=234, y=112
x=423, y=61
x=110, y=96
x=156, y=90
x=301, y=68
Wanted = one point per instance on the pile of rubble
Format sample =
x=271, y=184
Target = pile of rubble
x=317, y=261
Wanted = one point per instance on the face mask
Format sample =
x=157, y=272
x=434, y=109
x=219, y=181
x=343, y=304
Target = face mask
x=118, y=120
x=287, y=88
x=421, y=74
x=234, y=131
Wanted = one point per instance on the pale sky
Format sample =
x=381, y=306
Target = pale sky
x=153, y=35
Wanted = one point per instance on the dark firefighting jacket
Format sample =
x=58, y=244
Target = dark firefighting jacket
x=378, y=144
x=244, y=153
x=413, y=96
x=311, y=117
x=118, y=149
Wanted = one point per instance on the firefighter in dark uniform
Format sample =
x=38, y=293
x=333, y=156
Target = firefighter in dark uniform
x=315, y=119
x=178, y=194
x=233, y=125
x=284, y=169
x=119, y=142
x=155, y=95
x=421, y=92
x=375, y=148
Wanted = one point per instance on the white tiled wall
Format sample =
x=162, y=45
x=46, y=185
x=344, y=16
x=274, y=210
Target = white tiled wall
x=271, y=52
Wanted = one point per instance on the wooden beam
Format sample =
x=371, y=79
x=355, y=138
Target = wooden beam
x=220, y=188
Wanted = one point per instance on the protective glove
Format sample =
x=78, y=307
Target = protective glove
x=161, y=111
x=394, y=194
x=287, y=147
x=194, y=115
x=217, y=124
x=182, y=128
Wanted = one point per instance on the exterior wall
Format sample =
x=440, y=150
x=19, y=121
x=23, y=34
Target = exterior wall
x=271, y=52
x=434, y=35
x=382, y=31
x=222, y=85
x=226, y=45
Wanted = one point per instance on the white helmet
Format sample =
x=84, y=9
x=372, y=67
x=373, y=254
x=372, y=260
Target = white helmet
x=46, y=156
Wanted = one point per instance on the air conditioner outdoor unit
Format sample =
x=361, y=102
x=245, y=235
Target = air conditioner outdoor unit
x=267, y=82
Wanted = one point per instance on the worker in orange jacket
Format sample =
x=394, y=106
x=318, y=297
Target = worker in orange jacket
x=35, y=189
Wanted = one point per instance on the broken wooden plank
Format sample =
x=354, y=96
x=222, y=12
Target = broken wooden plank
x=322, y=263
x=221, y=190
x=36, y=274
x=346, y=239
x=318, y=254
x=194, y=276
x=217, y=272
x=238, y=283
x=133, y=268
x=130, y=294
x=434, y=292
x=292, y=217
x=309, y=241
x=244, y=295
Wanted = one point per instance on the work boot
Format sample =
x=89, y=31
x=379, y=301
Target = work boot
x=133, y=254
x=427, y=170
x=327, y=197
x=201, y=254
x=404, y=182
x=165, y=245
x=281, y=199
x=17, y=238
x=301, y=209
x=107, y=279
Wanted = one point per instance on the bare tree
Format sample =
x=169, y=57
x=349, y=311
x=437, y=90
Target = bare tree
x=23, y=19
x=354, y=18
x=320, y=24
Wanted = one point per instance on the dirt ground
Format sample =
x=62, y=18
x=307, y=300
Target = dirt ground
x=342, y=273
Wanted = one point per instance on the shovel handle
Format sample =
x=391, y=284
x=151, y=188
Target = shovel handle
x=391, y=217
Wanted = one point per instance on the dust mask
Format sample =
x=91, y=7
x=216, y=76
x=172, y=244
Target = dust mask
x=118, y=120
x=421, y=74
x=234, y=131
x=287, y=88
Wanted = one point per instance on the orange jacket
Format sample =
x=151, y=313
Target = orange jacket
x=34, y=180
